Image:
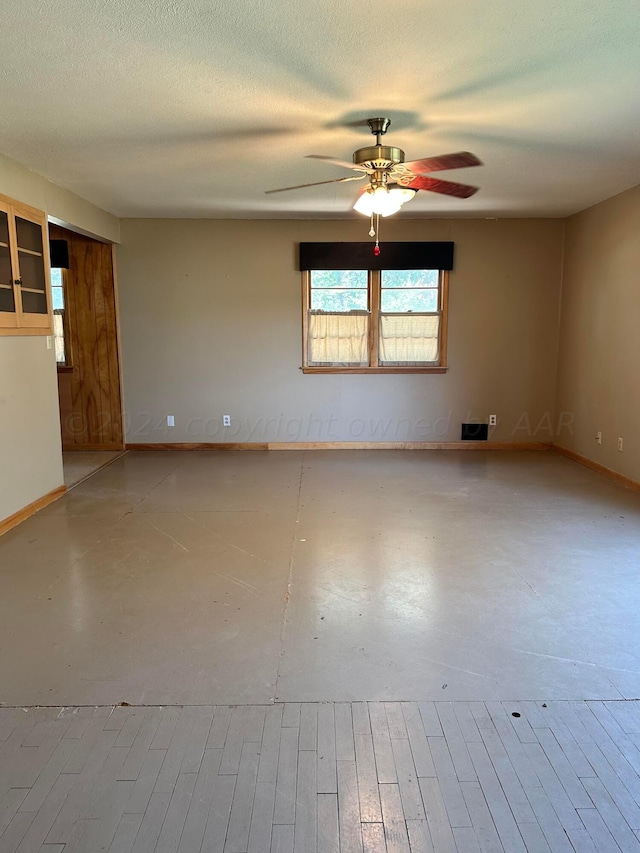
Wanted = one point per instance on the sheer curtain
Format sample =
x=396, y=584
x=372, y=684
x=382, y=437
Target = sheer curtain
x=58, y=336
x=409, y=338
x=338, y=339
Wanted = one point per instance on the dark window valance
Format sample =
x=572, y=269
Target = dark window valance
x=393, y=256
x=59, y=251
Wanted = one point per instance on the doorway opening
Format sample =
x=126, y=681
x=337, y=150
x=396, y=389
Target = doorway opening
x=86, y=338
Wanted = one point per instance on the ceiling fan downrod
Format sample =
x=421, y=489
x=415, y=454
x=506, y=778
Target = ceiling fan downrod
x=379, y=127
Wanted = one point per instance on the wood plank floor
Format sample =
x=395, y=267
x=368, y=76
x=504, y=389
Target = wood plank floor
x=401, y=777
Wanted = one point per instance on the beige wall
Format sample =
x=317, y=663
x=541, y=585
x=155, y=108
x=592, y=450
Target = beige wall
x=210, y=316
x=599, y=361
x=30, y=450
x=66, y=208
x=30, y=455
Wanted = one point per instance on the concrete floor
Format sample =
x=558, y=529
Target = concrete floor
x=80, y=464
x=230, y=578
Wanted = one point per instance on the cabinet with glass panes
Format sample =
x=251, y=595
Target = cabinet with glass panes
x=24, y=270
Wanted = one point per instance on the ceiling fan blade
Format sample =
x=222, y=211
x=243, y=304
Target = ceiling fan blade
x=315, y=184
x=434, y=185
x=335, y=162
x=461, y=160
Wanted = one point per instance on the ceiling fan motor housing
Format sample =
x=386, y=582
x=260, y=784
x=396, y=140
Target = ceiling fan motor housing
x=378, y=156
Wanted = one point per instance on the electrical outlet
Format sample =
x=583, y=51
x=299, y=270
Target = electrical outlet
x=49, y=342
x=171, y=421
x=598, y=438
x=619, y=444
x=226, y=420
x=493, y=420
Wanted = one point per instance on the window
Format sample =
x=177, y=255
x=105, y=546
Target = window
x=374, y=320
x=59, y=317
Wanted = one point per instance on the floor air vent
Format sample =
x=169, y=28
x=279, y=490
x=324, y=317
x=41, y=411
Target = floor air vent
x=475, y=432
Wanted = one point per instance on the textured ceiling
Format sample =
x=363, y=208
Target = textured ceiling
x=196, y=107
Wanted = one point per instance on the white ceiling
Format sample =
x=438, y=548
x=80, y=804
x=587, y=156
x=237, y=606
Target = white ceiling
x=196, y=107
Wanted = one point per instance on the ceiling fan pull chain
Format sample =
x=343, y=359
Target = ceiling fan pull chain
x=376, y=248
x=372, y=230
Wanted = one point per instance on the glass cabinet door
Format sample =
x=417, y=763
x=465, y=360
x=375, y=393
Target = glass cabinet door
x=32, y=272
x=25, y=292
x=8, y=315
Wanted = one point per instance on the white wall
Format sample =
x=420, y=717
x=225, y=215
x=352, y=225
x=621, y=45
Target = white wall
x=30, y=447
x=599, y=362
x=211, y=324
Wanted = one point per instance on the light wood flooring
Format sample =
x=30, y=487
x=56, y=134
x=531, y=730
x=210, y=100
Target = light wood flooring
x=353, y=777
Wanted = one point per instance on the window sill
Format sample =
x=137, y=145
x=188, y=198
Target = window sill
x=374, y=369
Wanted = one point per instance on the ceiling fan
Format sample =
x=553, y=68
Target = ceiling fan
x=391, y=180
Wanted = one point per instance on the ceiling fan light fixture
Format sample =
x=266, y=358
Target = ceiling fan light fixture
x=377, y=201
x=401, y=194
x=383, y=201
x=364, y=203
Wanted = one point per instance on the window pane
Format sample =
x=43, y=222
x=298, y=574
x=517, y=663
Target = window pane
x=410, y=300
x=57, y=298
x=409, y=278
x=57, y=289
x=339, y=290
x=339, y=300
x=339, y=278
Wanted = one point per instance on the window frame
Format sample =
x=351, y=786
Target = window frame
x=374, y=298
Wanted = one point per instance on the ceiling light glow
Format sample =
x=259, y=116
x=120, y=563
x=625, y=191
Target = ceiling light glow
x=383, y=201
